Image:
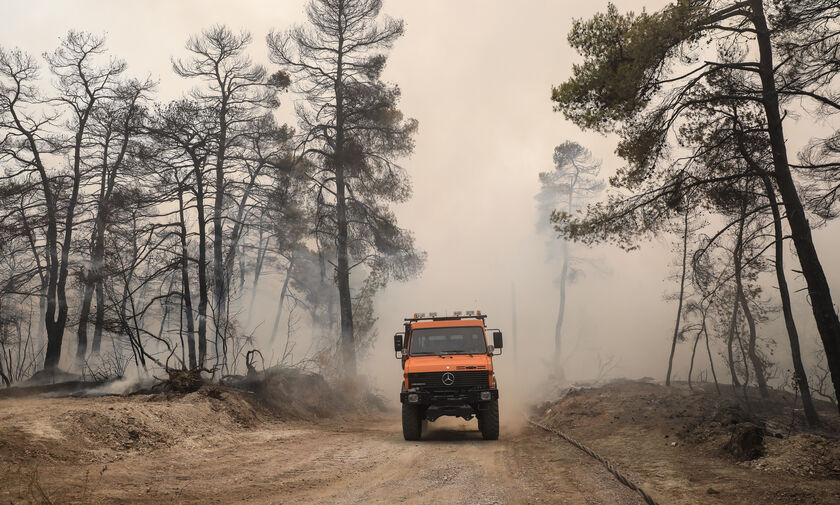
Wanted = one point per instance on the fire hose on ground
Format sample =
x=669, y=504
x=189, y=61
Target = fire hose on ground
x=607, y=464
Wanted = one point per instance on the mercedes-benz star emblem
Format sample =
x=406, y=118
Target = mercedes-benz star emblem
x=448, y=379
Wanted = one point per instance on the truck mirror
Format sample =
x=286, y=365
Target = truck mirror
x=398, y=343
x=497, y=339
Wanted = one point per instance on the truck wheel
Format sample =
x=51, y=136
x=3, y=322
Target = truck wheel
x=488, y=421
x=411, y=422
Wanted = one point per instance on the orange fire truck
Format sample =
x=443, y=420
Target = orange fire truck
x=448, y=371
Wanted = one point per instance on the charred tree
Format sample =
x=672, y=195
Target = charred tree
x=33, y=143
x=351, y=133
x=680, y=303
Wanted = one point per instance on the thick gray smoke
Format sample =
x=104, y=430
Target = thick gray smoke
x=477, y=77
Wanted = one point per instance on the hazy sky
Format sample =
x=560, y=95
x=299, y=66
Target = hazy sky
x=477, y=75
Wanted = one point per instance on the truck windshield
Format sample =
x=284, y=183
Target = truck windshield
x=455, y=340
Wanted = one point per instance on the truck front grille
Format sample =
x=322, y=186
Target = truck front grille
x=473, y=379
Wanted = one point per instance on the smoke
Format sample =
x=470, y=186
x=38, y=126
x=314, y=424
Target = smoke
x=485, y=135
x=130, y=383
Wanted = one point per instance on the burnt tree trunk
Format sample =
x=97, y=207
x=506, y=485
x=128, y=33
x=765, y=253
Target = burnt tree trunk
x=800, y=377
x=347, y=342
x=693, y=354
x=709, y=352
x=729, y=341
x=202, y=265
x=680, y=304
x=558, y=327
x=283, y=292
x=819, y=293
x=99, y=319
x=262, y=249
x=755, y=359
x=219, y=284
x=186, y=294
x=84, y=316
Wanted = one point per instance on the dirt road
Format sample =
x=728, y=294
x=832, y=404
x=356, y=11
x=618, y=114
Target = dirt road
x=370, y=463
x=336, y=462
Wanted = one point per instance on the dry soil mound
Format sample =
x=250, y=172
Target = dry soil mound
x=681, y=444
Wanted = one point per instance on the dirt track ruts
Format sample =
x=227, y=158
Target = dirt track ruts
x=360, y=461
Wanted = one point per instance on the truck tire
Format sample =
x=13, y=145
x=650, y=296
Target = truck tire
x=488, y=421
x=412, y=424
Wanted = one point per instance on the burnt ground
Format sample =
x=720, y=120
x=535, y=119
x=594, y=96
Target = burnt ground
x=673, y=442
x=217, y=445
x=223, y=445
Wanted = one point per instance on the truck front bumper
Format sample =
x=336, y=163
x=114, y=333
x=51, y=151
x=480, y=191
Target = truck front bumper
x=421, y=397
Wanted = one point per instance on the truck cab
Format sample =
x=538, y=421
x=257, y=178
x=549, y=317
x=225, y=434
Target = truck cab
x=448, y=371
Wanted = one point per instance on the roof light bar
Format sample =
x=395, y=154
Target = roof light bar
x=420, y=316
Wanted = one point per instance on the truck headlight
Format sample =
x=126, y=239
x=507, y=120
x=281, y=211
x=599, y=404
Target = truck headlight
x=486, y=395
x=413, y=398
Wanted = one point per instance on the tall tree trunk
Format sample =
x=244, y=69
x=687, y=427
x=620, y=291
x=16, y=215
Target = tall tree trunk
x=819, y=293
x=237, y=232
x=98, y=264
x=751, y=351
x=680, y=304
x=755, y=359
x=84, y=316
x=709, y=352
x=219, y=284
x=93, y=267
x=282, y=300
x=348, y=344
x=93, y=284
x=186, y=295
x=202, y=267
x=729, y=341
x=564, y=273
x=56, y=327
x=99, y=319
x=106, y=188
x=348, y=347
x=262, y=249
x=561, y=312
x=737, y=255
x=63, y=270
x=42, y=310
x=166, y=307
x=744, y=359
x=801, y=376
x=55, y=333
x=43, y=275
x=693, y=354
